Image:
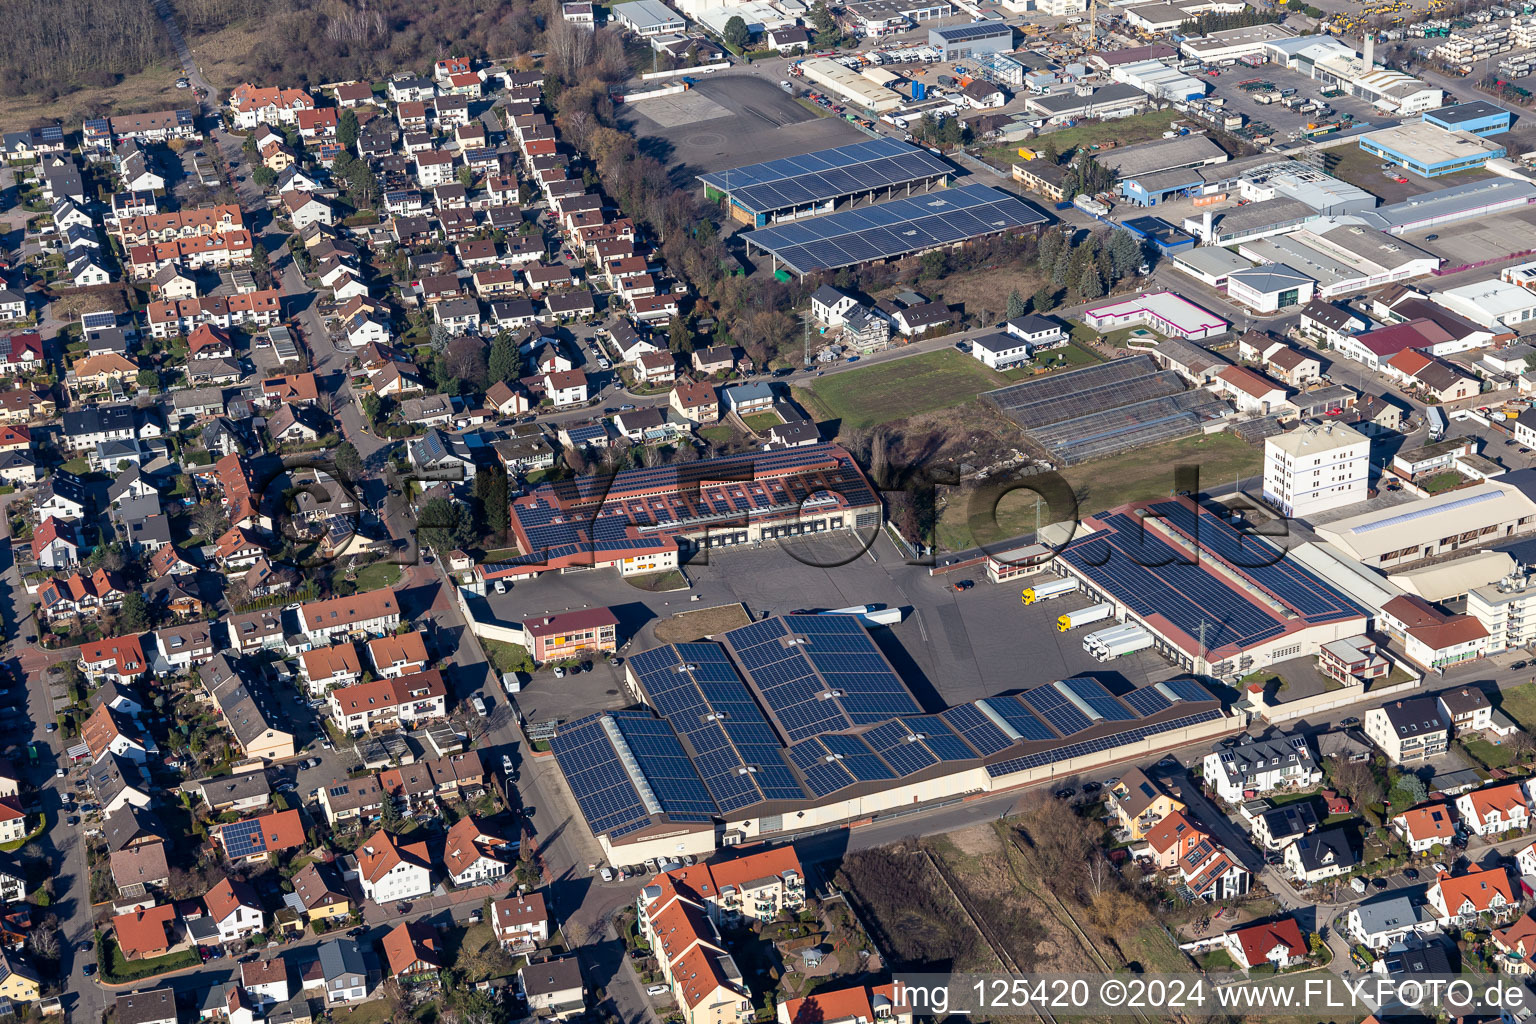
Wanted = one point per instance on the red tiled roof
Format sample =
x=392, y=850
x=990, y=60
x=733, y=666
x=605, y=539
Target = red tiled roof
x=1257, y=940
x=144, y=932
x=227, y=895
x=411, y=947
x=1477, y=887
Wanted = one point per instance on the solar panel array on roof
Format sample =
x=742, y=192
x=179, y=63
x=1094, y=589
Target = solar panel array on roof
x=1151, y=576
x=1259, y=561
x=243, y=839
x=1148, y=701
x=604, y=778
x=99, y=321
x=844, y=719
x=635, y=510
x=895, y=228
x=1071, y=750
x=1027, y=724
x=979, y=730
x=695, y=687
x=819, y=673
x=666, y=768
x=1053, y=706
x=1090, y=693
x=827, y=174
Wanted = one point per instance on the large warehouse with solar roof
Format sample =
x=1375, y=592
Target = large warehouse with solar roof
x=644, y=520
x=887, y=231
x=799, y=722
x=1218, y=601
x=815, y=183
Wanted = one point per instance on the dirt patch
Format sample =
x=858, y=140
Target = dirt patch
x=686, y=627
x=976, y=841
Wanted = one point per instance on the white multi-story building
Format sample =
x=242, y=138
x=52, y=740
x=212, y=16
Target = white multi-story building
x=1507, y=610
x=1259, y=766
x=1315, y=468
x=390, y=870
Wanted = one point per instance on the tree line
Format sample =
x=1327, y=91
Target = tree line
x=58, y=47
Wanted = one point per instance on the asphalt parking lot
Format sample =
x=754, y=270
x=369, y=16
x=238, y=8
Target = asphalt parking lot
x=950, y=647
x=730, y=121
x=1478, y=241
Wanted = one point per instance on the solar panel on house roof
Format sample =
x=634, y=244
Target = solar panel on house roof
x=98, y=321
x=243, y=839
x=827, y=174
x=894, y=228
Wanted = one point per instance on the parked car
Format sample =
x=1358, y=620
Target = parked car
x=479, y=705
x=656, y=990
x=1348, y=723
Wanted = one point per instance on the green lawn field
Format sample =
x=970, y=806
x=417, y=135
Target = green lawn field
x=902, y=387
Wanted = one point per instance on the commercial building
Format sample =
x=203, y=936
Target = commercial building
x=1472, y=201
x=1430, y=150
x=1106, y=103
x=1343, y=258
x=1466, y=518
x=1270, y=287
x=1496, y=304
x=819, y=182
x=1211, y=264
x=649, y=18
x=571, y=634
x=639, y=515
x=1477, y=116
x=901, y=227
x=862, y=92
x=1338, y=66
x=962, y=42
x=1163, y=312
x=1288, y=179
x=1163, y=155
x=1234, y=43
x=1316, y=467
x=1228, y=611
x=1159, y=81
x=1236, y=224
x=798, y=722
